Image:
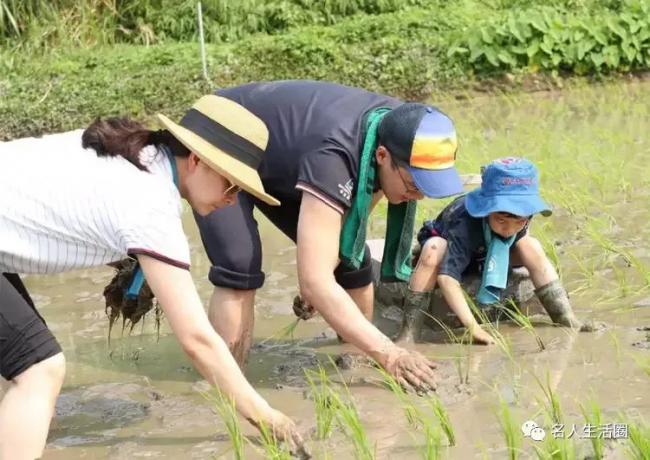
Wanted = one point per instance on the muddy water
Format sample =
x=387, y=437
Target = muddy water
x=140, y=398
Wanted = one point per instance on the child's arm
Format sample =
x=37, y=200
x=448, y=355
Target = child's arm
x=453, y=294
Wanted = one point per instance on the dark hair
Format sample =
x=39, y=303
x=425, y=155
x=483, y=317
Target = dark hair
x=125, y=137
x=395, y=163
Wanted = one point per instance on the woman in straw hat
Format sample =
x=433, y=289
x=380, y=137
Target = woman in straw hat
x=64, y=207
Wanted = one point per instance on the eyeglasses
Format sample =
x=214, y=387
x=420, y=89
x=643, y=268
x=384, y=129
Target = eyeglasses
x=410, y=188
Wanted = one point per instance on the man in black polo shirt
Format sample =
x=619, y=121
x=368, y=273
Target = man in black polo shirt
x=312, y=165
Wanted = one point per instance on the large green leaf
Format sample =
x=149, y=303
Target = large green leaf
x=533, y=48
x=491, y=56
x=584, y=47
x=597, y=59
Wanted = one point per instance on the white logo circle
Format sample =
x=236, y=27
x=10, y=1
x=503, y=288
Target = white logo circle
x=537, y=434
x=528, y=427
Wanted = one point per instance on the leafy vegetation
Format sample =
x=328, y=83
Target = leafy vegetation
x=555, y=39
x=413, y=49
x=45, y=24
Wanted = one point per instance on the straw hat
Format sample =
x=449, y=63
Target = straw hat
x=228, y=138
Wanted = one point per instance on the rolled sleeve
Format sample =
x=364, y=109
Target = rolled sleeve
x=328, y=175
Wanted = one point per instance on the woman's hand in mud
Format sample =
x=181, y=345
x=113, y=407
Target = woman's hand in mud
x=411, y=370
x=283, y=429
x=481, y=337
x=302, y=309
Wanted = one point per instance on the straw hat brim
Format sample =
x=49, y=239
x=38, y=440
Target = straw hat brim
x=234, y=170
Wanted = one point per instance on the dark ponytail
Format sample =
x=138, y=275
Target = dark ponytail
x=125, y=137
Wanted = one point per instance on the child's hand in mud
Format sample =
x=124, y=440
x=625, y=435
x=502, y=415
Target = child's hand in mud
x=302, y=309
x=481, y=337
x=411, y=370
x=283, y=429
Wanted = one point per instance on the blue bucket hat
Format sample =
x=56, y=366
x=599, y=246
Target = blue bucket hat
x=508, y=185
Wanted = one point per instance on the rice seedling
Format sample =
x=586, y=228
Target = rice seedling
x=643, y=363
x=283, y=333
x=413, y=416
x=347, y=417
x=553, y=408
x=321, y=390
x=465, y=338
x=225, y=407
x=348, y=420
x=502, y=341
x=638, y=446
x=272, y=448
x=443, y=417
x=542, y=234
x=607, y=244
x=418, y=420
x=621, y=279
x=523, y=321
x=616, y=343
x=593, y=418
x=432, y=446
x=510, y=430
x=588, y=271
x=557, y=446
x=556, y=449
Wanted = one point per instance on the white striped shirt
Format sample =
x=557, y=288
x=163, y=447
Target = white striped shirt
x=63, y=207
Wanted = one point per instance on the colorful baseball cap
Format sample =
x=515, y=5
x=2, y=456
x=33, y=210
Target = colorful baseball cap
x=425, y=139
x=508, y=185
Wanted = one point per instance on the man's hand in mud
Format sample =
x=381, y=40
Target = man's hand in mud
x=411, y=370
x=283, y=429
x=302, y=309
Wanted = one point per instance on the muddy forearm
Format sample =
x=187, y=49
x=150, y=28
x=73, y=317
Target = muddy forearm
x=342, y=314
x=453, y=294
x=210, y=356
x=174, y=289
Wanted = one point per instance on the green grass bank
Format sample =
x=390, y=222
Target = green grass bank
x=413, y=49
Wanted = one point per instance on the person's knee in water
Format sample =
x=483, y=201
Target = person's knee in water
x=417, y=299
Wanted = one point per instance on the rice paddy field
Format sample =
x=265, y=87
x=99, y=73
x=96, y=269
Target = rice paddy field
x=577, y=395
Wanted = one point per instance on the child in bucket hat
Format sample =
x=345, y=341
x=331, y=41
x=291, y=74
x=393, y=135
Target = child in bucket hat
x=485, y=229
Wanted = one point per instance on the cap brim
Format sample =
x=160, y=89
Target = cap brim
x=234, y=170
x=480, y=205
x=437, y=183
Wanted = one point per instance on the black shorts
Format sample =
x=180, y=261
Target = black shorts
x=232, y=242
x=25, y=339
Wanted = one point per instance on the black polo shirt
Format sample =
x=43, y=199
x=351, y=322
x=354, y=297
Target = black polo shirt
x=315, y=136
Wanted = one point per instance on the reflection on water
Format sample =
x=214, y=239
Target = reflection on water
x=141, y=398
